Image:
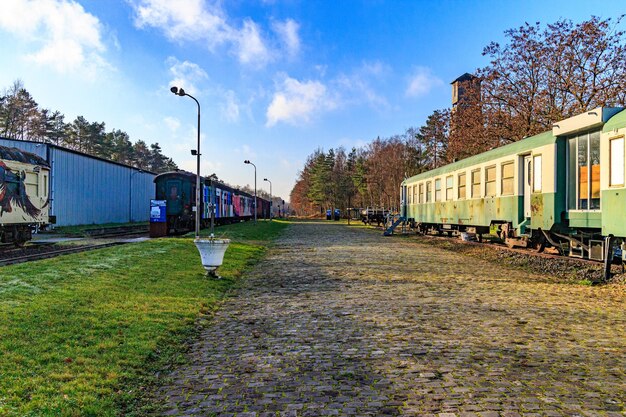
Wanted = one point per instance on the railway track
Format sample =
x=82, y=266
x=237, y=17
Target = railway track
x=51, y=252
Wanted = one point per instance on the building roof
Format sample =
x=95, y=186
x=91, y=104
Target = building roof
x=15, y=154
x=52, y=145
x=465, y=77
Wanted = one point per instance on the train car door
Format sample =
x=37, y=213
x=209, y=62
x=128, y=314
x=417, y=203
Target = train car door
x=174, y=196
x=403, y=209
x=526, y=180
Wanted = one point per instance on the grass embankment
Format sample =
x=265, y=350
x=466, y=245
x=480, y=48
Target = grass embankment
x=82, y=335
x=82, y=230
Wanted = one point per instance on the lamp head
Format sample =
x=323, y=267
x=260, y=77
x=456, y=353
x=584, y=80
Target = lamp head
x=246, y=161
x=194, y=152
x=177, y=91
x=264, y=179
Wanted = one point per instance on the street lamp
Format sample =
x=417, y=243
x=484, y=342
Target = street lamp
x=265, y=179
x=250, y=163
x=211, y=250
x=196, y=152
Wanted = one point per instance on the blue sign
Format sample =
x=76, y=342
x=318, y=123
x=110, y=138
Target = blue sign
x=157, y=211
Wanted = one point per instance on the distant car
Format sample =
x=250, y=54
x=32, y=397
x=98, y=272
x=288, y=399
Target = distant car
x=24, y=195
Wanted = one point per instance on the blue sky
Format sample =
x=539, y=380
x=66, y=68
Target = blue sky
x=276, y=79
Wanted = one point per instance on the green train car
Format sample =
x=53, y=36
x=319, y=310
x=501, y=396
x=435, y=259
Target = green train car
x=563, y=188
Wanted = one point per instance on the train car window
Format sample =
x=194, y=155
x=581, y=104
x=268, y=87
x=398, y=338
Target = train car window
x=476, y=183
x=438, y=189
x=31, y=181
x=508, y=173
x=490, y=181
x=421, y=193
x=537, y=178
x=616, y=149
x=429, y=190
x=45, y=185
x=572, y=177
x=584, y=171
x=594, y=162
x=461, y=179
x=449, y=185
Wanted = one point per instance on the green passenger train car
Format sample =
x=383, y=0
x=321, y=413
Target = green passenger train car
x=562, y=188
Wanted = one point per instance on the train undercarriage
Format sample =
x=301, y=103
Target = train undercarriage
x=577, y=243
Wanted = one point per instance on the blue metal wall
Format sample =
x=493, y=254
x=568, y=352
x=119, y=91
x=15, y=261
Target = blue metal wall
x=86, y=190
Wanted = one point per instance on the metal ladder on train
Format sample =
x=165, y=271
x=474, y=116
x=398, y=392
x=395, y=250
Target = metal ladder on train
x=394, y=224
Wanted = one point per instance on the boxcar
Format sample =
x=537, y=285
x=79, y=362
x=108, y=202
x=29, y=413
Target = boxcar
x=562, y=188
x=23, y=194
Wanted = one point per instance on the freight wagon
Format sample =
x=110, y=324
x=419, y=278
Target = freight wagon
x=23, y=194
x=563, y=188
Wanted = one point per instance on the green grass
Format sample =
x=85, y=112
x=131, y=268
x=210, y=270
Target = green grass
x=84, y=334
x=263, y=230
x=80, y=229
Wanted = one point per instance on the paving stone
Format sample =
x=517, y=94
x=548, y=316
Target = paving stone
x=341, y=321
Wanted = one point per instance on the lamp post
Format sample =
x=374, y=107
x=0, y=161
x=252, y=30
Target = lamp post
x=250, y=163
x=271, y=203
x=211, y=250
x=181, y=92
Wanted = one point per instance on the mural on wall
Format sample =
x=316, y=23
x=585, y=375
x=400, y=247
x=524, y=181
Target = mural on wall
x=13, y=192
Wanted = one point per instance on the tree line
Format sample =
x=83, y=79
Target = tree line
x=22, y=118
x=541, y=75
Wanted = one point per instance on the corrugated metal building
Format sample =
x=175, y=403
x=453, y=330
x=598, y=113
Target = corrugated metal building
x=90, y=190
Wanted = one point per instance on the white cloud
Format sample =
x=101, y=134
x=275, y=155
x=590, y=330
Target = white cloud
x=186, y=75
x=358, y=86
x=197, y=20
x=251, y=48
x=67, y=37
x=229, y=107
x=288, y=34
x=421, y=82
x=172, y=123
x=246, y=151
x=183, y=20
x=296, y=102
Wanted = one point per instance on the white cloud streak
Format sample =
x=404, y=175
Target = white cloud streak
x=186, y=75
x=288, y=34
x=197, y=20
x=67, y=38
x=421, y=82
x=229, y=107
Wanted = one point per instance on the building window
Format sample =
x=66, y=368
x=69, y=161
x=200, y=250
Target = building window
x=490, y=181
x=537, y=174
x=449, y=182
x=476, y=183
x=616, y=147
x=461, y=185
x=429, y=190
x=421, y=193
x=584, y=171
x=508, y=173
x=438, y=189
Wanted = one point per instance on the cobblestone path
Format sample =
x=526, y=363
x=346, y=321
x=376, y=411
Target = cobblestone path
x=341, y=321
